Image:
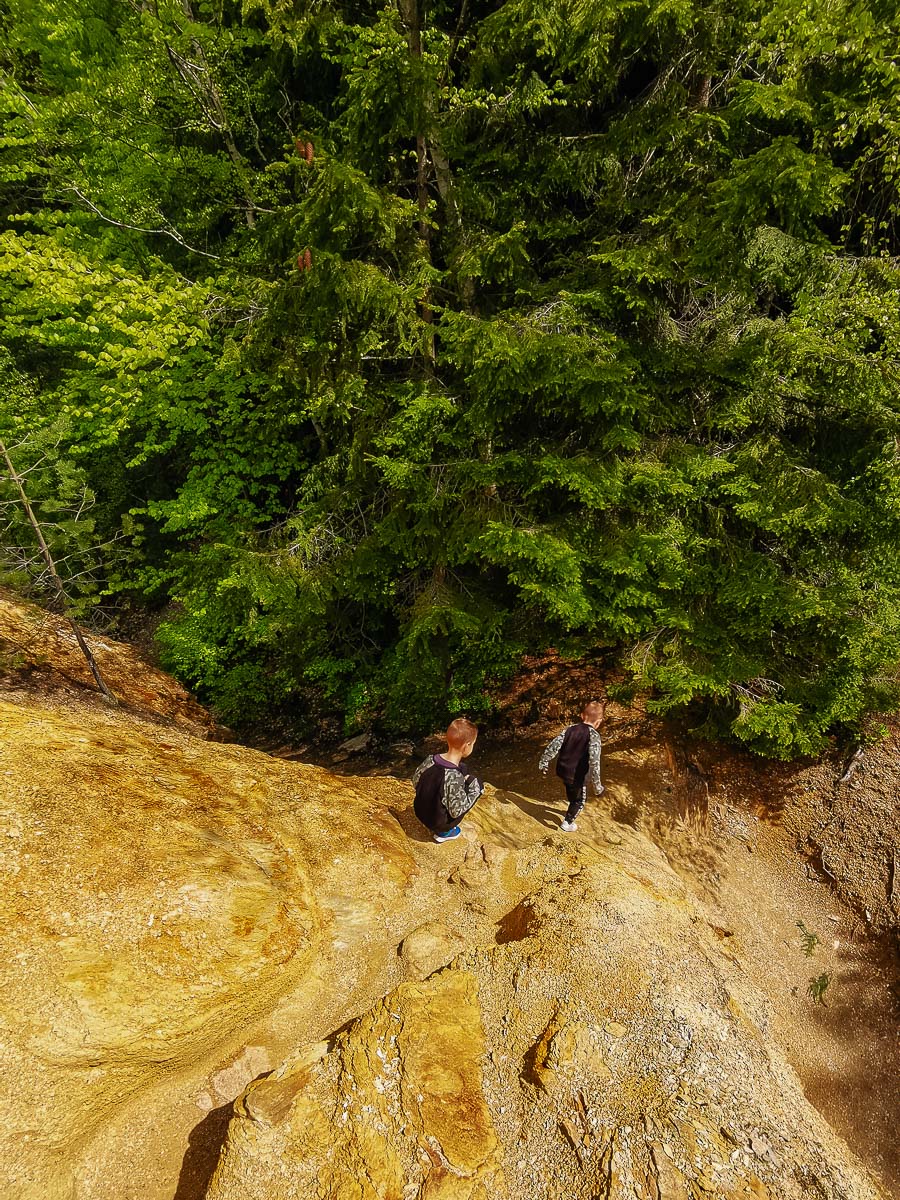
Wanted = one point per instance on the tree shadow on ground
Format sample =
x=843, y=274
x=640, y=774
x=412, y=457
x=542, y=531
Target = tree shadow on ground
x=202, y=1155
x=411, y=825
x=856, y=1094
x=364, y=766
x=625, y=814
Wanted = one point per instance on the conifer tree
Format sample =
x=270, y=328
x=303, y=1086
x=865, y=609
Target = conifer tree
x=410, y=338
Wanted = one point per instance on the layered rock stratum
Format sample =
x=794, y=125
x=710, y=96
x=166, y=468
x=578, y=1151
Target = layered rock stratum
x=187, y=924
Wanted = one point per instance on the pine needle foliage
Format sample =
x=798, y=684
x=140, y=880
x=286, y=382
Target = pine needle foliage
x=808, y=940
x=402, y=340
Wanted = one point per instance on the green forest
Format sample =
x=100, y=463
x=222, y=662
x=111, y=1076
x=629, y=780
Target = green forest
x=370, y=347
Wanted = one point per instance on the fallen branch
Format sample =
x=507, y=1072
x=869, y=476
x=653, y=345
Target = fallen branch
x=816, y=860
x=852, y=764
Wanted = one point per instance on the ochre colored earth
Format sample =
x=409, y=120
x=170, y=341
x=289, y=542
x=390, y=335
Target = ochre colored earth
x=233, y=976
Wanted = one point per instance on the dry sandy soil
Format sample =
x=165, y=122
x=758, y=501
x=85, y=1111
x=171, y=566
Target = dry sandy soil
x=768, y=846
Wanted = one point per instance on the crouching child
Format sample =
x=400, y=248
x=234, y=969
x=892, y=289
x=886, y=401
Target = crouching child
x=577, y=754
x=445, y=791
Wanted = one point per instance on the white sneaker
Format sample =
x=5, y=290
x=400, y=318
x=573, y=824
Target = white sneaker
x=568, y=826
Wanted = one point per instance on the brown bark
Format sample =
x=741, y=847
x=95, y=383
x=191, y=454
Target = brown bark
x=409, y=15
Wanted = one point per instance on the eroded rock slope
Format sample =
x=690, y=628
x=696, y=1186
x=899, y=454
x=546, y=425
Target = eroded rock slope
x=513, y=1014
x=600, y=1045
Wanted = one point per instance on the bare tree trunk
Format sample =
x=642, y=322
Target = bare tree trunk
x=54, y=574
x=853, y=764
x=409, y=15
x=199, y=80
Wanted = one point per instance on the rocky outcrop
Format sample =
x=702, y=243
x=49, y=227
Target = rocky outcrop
x=395, y=1108
x=158, y=894
x=608, y=1050
x=185, y=923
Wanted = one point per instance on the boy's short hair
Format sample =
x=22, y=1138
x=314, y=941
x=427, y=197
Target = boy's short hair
x=593, y=709
x=460, y=732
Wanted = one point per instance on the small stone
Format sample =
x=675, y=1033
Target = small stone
x=355, y=744
x=759, y=1145
x=428, y=948
x=230, y=1081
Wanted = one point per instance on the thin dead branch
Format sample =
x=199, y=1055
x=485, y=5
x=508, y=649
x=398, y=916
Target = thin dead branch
x=852, y=765
x=162, y=231
x=53, y=575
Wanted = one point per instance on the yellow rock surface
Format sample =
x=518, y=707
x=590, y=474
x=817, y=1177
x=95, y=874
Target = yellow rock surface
x=395, y=1107
x=595, y=1055
x=184, y=922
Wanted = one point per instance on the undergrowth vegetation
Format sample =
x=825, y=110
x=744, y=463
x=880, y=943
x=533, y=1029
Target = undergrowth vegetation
x=393, y=342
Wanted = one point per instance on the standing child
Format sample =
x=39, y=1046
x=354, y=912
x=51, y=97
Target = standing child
x=445, y=791
x=577, y=753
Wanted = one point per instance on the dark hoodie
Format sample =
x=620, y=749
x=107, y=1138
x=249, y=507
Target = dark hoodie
x=444, y=793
